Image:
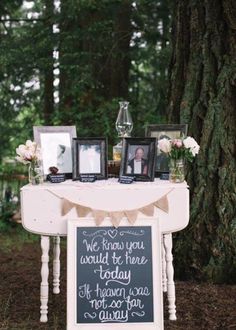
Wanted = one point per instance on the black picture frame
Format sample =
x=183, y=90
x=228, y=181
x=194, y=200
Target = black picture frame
x=173, y=131
x=49, y=139
x=81, y=163
x=130, y=146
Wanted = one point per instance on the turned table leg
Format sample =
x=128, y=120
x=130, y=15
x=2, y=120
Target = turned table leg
x=56, y=265
x=170, y=276
x=45, y=243
x=163, y=259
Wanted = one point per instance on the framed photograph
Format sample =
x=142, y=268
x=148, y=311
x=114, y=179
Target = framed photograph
x=56, y=147
x=171, y=132
x=114, y=275
x=90, y=157
x=138, y=158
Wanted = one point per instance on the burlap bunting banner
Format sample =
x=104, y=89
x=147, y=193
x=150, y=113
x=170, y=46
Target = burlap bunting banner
x=82, y=211
x=162, y=204
x=66, y=206
x=131, y=216
x=148, y=210
x=115, y=216
x=99, y=216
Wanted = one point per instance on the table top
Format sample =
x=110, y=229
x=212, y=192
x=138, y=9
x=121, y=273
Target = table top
x=107, y=184
x=41, y=204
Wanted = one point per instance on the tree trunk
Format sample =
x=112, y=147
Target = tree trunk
x=69, y=49
x=111, y=69
x=120, y=63
x=48, y=77
x=203, y=94
x=96, y=38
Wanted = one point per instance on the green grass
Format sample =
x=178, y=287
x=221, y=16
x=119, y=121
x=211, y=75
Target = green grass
x=14, y=238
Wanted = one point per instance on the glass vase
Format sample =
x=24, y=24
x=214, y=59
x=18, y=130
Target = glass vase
x=176, y=170
x=124, y=123
x=35, y=173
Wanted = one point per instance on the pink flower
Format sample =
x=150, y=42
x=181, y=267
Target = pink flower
x=177, y=143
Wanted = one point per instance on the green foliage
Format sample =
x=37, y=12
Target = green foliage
x=19, y=98
x=12, y=177
x=73, y=65
x=16, y=234
x=177, y=153
x=150, y=53
x=92, y=57
x=7, y=210
x=7, y=7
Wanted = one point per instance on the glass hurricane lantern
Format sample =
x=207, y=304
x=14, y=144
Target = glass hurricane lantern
x=124, y=126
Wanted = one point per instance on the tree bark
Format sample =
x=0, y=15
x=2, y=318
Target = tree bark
x=48, y=106
x=203, y=95
x=111, y=68
x=97, y=37
x=69, y=48
x=120, y=63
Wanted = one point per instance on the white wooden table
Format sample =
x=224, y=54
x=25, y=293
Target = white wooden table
x=41, y=214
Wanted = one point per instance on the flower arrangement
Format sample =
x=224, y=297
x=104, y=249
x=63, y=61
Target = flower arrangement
x=178, y=151
x=29, y=153
x=186, y=148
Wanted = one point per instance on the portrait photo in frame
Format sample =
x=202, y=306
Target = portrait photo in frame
x=89, y=157
x=55, y=143
x=138, y=158
x=173, y=131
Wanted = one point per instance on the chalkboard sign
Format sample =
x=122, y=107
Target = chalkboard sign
x=116, y=275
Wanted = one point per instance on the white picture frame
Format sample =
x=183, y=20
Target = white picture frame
x=55, y=143
x=157, y=295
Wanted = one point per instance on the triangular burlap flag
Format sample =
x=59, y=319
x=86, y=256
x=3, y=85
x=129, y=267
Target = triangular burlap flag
x=131, y=216
x=116, y=217
x=163, y=204
x=148, y=210
x=82, y=211
x=66, y=206
x=99, y=216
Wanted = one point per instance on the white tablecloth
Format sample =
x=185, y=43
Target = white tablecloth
x=41, y=204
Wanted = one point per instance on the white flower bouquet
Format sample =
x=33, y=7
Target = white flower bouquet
x=29, y=153
x=186, y=148
x=178, y=151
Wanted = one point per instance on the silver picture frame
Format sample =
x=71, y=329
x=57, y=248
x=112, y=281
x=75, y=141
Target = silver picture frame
x=55, y=143
x=171, y=131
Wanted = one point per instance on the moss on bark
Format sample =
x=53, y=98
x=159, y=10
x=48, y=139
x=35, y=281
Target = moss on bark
x=203, y=94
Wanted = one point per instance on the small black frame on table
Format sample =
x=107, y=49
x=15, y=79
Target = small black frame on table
x=138, y=158
x=89, y=157
x=170, y=131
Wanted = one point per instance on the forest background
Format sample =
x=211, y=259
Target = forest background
x=69, y=62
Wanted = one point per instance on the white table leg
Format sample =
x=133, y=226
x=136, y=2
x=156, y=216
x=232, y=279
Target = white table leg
x=170, y=276
x=163, y=259
x=56, y=265
x=45, y=243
